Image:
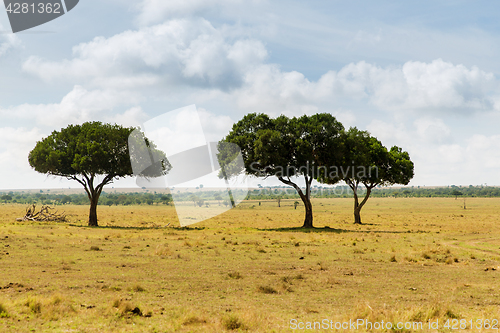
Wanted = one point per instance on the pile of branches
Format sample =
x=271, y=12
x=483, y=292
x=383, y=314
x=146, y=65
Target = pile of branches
x=45, y=214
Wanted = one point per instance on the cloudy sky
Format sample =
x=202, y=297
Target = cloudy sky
x=423, y=75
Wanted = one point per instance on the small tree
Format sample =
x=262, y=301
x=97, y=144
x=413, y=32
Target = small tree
x=368, y=162
x=283, y=147
x=166, y=199
x=456, y=193
x=86, y=152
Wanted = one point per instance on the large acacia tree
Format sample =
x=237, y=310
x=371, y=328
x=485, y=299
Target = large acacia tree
x=366, y=161
x=285, y=148
x=93, y=154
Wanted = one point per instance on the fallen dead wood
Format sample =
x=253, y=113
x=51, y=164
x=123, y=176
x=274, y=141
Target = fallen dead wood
x=45, y=214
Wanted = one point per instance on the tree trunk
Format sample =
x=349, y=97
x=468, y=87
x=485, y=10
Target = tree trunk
x=93, y=193
x=357, y=208
x=357, y=215
x=358, y=205
x=93, y=212
x=308, y=220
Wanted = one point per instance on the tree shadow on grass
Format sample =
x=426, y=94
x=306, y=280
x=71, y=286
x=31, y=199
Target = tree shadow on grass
x=338, y=231
x=138, y=228
x=306, y=230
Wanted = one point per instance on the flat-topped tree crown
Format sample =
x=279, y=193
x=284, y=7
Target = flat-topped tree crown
x=89, y=151
x=367, y=162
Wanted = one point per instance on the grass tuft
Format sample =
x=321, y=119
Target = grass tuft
x=286, y=279
x=267, y=290
x=232, y=323
x=137, y=288
x=126, y=309
x=234, y=275
x=34, y=305
x=193, y=320
x=51, y=308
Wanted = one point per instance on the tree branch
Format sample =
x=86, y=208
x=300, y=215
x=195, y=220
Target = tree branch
x=89, y=195
x=108, y=179
x=290, y=183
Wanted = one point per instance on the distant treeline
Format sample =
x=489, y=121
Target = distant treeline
x=264, y=193
x=107, y=199
x=405, y=192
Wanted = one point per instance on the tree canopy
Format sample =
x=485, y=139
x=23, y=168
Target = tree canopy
x=366, y=161
x=91, y=151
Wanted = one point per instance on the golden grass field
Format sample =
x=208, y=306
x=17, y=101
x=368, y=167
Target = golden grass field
x=250, y=269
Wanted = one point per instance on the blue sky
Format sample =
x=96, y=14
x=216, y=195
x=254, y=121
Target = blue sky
x=423, y=75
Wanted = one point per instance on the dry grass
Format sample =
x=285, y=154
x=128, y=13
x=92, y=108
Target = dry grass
x=250, y=268
x=232, y=323
x=3, y=311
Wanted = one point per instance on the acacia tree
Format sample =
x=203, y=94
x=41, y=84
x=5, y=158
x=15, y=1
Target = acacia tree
x=91, y=151
x=283, y=147
x=368, y=162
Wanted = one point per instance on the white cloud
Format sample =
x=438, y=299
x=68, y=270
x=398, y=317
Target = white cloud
x=190, y=52
x=432, y=130
x=193, y=55
x=215, y=127
x=154, y=11
x=484, y=152
x=437, y=85
x=431, y=87
x=131, y=117
x=390, y=133
x=78, y=106
x=8, y=41
x=441, y=84
x=15, y=145
x=440, y=160
x=268, y=89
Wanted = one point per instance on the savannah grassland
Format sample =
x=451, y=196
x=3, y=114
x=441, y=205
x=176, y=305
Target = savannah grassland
x=249, y=269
